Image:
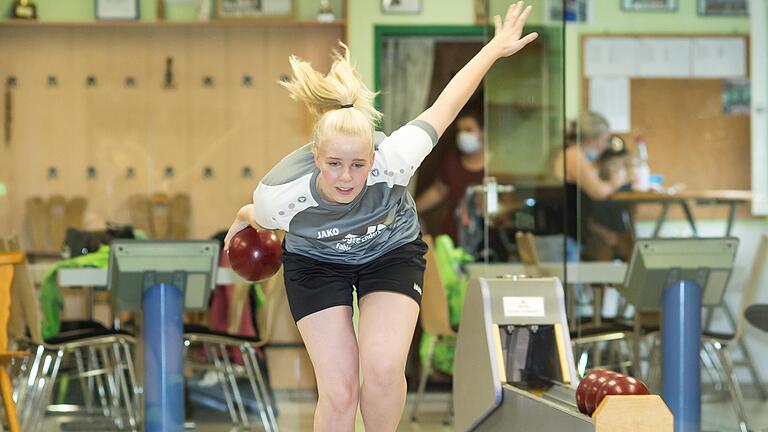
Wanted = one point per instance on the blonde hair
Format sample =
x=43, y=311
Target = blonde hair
x=591, y=126
x=328, y=97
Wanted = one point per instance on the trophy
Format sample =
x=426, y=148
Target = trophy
x=24, y=9
x=325, y=14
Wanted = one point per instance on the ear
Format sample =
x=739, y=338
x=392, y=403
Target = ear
x=315, y=156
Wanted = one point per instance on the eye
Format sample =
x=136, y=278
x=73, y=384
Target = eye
x=358, y=165
x=333, y=164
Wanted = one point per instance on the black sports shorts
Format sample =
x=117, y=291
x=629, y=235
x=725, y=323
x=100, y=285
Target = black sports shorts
x=313, y=285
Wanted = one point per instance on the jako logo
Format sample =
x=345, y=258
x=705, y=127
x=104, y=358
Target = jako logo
x=327, y=233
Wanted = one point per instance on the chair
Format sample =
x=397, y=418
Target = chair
x=215, y=345
x=102, y=357
x=757, y=315
x=7, y=262
x=718, y=343
x=434, y=318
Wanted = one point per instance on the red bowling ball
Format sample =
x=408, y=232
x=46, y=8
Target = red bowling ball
x=255, y=255
x=591, y=393
x=621, y=385
x=584, y=384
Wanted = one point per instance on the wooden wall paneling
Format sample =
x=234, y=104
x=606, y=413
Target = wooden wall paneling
x=50, y=57
x=29, y=161
x=69, y=124
x=92, y=52
x=167, y=120
x=210, y=131
x=247, y=51
x=285, y=118
x=125, y=134
x=6, y=204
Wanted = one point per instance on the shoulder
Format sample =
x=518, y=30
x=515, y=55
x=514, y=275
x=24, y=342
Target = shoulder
x=292, y=167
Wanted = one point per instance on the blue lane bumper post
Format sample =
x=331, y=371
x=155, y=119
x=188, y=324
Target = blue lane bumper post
x=681, y=345
x=163, y=305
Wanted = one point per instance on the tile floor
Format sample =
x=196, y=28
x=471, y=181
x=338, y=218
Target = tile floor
x=296, y=411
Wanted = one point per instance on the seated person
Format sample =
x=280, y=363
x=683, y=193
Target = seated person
x=460, y=169
x=608, y=234
x=585, y=141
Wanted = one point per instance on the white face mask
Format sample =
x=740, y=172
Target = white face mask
x=468, y=142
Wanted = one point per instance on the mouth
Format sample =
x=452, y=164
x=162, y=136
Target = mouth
x=344, y=191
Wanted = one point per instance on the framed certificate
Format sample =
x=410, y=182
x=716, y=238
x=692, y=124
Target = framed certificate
x=117, y=9
x=254, y=8
x=649, y=5
x=400, y=6
x=723, y=7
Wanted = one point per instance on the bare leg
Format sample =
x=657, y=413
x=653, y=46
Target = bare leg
x=330, y=340
x=387, y=321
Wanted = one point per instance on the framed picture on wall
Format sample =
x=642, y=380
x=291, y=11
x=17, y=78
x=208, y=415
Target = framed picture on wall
x=254, y=8
x=400, y=6
x=723, y=7
x=649, y=5
x=569, y=11
x=116, y=9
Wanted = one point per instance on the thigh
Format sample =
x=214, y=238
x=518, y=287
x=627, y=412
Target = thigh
x=330, y=340
x=385, y=329
x=312, y=286
x=400, y=271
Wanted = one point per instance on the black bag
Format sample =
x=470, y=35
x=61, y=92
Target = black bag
x=79, y=242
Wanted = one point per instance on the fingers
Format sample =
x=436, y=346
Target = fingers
x=497, y=24
x=513, y=12
x=523, y=17
x=530, y=37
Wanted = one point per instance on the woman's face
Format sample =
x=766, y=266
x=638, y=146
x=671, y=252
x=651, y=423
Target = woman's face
x=344, y=162
x=601, y=142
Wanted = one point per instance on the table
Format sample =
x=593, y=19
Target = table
x=731, y=198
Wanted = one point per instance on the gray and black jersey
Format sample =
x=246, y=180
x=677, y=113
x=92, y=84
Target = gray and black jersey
x=381, y=218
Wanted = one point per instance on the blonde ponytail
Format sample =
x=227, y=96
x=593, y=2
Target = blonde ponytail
x=340, y=101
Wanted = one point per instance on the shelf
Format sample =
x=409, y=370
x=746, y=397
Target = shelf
x=229, y=22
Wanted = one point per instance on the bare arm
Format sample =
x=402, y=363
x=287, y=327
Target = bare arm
x=431, y=197
x=243, y=219
x=581, y=171
x=506, y=42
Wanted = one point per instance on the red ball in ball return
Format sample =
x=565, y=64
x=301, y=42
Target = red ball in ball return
x=591, y=393
x=621, y=385
x=581, y=390
x=255, y=254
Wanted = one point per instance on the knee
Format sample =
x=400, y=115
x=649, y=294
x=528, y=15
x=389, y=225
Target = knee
x=341, y=396
x=384, y=375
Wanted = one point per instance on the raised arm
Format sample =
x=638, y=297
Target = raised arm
x=506, y=41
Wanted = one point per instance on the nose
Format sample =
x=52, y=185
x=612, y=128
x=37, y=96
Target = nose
x=346, y=175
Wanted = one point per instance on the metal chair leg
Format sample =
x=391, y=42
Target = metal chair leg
x=734, y=387
x=425, y=369
x=259, y=388
x=230, y=371
x=213, y=357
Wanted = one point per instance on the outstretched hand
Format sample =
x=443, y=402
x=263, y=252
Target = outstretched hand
x=507, y=40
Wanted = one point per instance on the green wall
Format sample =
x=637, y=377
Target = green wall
x=176, y=10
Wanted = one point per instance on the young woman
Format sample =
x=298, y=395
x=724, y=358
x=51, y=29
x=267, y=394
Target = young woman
x=350, y=222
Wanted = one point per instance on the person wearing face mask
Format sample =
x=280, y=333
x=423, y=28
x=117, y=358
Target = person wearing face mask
x=576, y=166
x=461, y=168
x=351, y=226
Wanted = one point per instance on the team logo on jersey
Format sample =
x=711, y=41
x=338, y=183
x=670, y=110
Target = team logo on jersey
x=327, y=233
